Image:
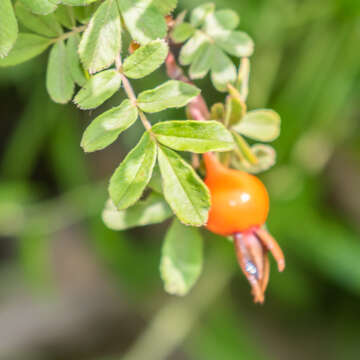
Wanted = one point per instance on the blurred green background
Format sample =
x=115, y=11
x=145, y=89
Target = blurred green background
x=72, y=289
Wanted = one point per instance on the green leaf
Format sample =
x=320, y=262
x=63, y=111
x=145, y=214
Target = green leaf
x=101, y=41
x=98, y=89
x=194, y=136
x=181, y=258
x=243, y=150
x=83, y=13
x=182, y=32
x=262, y=125
x=171, y=94
x=26, y=47
x=202, y=61
x=192, y=48
x=146, y=59
x=42, y=24
x=59, y=82
x=199, y=14
x=155, y=181
x=235, y=110
x=165, y=6
x=235, y=43
x=185, y=192
x=41, y=7
x=77, y=2
x=152, y=210
x=227, y=19
x=8, y=27
x=218, y=112
x=223, y=71
x=65, y=16
x=143, y=20
x=130, y=179
x=266, y=156
x=76, y=69
x=106, y=128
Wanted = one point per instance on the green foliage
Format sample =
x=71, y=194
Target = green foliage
x=98, y=89
x=59, y=82
x=46, y=25
x=8, y=27
x=146, y=59
x=153, y=210
x=130, y=179
x=262, y=125
x=213, y=37
x=143, y=20
x=194, y=136
x=168, y=95
x=65, y=16
x=106, y=128
x=165, y=6
x=27, y=46
x=101, y=41
x=41, y=7
x=76, y=69
x=186, y=194
x=181, y=258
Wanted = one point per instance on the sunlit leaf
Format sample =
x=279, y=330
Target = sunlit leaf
x=77, y=2
x=194, y=136
x=223, y=71
x=59, y=82
x=101, y=41
x=106, y=128
x=202, y=61
x=8, y=27
x=199, y=14
x=153, y=210
x=185, y=192
x=171, y=94
x=182, y=32
x=227, y=18
x=165, y=6
x=42, y=24
x=98, y=89
x=143, y=20
x=235, y=43
x=235, y=110
x=243, y=150
x=263, y=125
x=131, y=177
x=192, y=47
x=181, y=258
x=146, y=59
x=65, y=16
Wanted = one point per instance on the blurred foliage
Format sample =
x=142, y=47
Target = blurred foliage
x=306, y=66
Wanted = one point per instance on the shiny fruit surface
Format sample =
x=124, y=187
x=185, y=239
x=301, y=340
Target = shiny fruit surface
x=239, y=201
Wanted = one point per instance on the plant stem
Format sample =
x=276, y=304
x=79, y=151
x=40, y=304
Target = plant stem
x=69, y=33
x=130, y=93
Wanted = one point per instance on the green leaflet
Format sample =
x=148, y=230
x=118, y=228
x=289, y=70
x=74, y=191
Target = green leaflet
x=200, y=13
x=8, y=27
x=76, y=69
x=223, y=71
x=152, y=210
x=202, y=61
x=143, y=20
x=182, y=32
x=59, y=82
x=192, y=48
x=101, y=41
x=165, y=6
x=77, y=2
x=185, y=192
x=106, y=128
x=194, y=136
x=262, y=125
x=170, y=94
x=181, y=258
x=131, y=177
x=235, y=43
x=98, y=89
x=42, y=7
x=65, y=16
x=83, y=13
x=26, y=47
x=146, y=59
x=46, y=25
x=227, y=19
